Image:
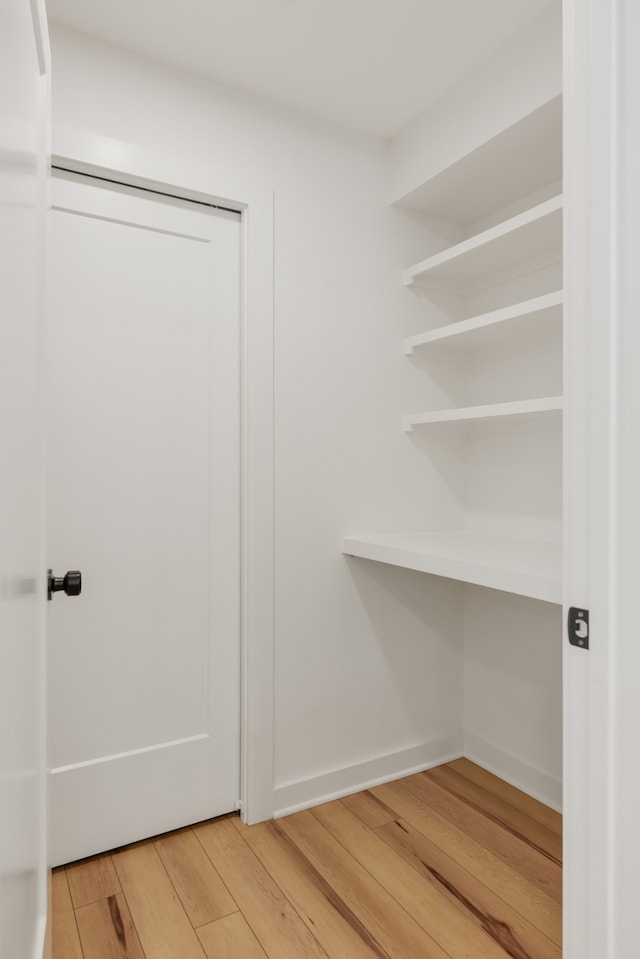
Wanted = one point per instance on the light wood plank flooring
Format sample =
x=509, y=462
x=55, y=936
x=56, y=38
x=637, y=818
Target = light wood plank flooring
x=451, y=863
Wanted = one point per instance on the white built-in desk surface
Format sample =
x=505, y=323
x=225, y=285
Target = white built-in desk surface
x=515, y=566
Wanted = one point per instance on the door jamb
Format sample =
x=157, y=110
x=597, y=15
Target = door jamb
x=602, y=146
x=87, y=153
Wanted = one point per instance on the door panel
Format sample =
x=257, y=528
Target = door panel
x=144, y=499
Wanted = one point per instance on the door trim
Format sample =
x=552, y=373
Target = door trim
x=83, y=152
x=602, y=147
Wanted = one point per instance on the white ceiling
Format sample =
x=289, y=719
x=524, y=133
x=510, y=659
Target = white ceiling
x=370, y=65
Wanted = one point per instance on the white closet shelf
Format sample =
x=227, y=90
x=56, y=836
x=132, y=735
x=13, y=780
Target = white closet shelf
x=529, y=236
x=514, y=411
x=491, y=329
x=523, y=567
x=480, y=182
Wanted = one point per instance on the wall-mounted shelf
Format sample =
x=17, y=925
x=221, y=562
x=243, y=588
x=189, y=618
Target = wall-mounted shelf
x=527, y=237
x=481, y=182
x=515, y=412
x=514, y=566
x=493, y=328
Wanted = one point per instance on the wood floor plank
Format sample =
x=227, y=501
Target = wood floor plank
x=539, y=908
x=447, y=864
x=230, y=938
x=519, y=938
x=276, y=924
x=201, y=890
x=515, y=797
x=501, y=812
x=65, y=939
x=107, y=930
x=317, y=903
x=239, y=824
x=419, y=893
x=369, y=809
x=163, y=926
x=92, y=879
x=539, y=870
x=398, y=934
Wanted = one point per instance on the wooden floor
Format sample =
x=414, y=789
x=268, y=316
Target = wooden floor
x=447, y=864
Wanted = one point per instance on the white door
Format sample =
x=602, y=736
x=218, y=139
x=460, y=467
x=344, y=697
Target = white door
x=143, y=499
x=23, y=120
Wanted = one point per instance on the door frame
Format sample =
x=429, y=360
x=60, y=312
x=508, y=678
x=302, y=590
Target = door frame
x=83, y=152
x=602, y=476
x=24, y=871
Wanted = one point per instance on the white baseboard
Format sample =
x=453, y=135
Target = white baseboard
x=303, y=793
x=40, y=939
x=531, y=780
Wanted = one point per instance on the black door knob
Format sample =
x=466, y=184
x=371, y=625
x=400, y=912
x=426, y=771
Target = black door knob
x=70, y=583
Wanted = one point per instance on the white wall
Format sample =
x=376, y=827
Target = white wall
x=367, y=658
x=525, y=75
x=513, y=689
